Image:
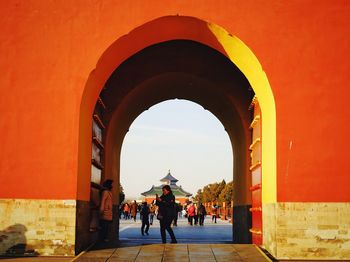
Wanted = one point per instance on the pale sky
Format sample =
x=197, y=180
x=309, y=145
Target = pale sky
x=176, y=135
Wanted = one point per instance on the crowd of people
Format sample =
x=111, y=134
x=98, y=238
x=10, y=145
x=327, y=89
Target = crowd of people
x=195, y=213
x=164, y=208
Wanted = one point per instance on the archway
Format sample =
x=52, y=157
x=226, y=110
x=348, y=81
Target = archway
x=243, y=71
x=177, y=139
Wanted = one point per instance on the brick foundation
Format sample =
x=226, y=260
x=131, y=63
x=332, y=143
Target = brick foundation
x=40, y=227
x=307, y=230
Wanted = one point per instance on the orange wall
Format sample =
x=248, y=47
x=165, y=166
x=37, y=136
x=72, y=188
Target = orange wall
x=48, y=49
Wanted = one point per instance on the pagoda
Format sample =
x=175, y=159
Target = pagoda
x=181, y=196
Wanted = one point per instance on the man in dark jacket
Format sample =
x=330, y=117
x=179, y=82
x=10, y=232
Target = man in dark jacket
x=201, y=214
x=177, y=210
x=166, y=212
x=144, y=212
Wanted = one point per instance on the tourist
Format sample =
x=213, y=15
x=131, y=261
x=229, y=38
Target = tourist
x=195, y=214
x=133, y=210
x=201, y=214
x=191, y=212
x=144, y=214
x=126, y=211
x=153, y=209
x=177, y=210
x=166, y=212
x=106, y=209
x=214, y=213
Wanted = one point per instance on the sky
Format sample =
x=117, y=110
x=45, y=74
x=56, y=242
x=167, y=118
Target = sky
x=176, y=135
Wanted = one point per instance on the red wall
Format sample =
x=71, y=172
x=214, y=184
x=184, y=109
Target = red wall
x=48, y=49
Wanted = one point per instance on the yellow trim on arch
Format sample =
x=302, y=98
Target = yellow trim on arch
x=249, y=65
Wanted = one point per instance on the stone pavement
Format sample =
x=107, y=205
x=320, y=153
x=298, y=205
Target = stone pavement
x=195, y=243
x=177, y=253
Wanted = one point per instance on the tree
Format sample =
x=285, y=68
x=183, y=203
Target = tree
x=220, y=188
x=215, y=192
x=226, y=194
x=199, y=196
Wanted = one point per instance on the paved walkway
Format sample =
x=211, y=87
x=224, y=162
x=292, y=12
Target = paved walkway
x=195, y=243
x=177, y=253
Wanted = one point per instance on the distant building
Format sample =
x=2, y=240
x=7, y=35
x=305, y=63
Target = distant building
x=181, y=196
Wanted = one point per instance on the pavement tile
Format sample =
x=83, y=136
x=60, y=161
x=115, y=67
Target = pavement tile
x=118, y=259
x=224, y=258
x=224, y=253
x=124, y=256
x=232, y=259
x=202, y=258
x=149, y=259
x=149, y=255
x=128, y=251
x=176, y=259
x=98, y=255
x=91, y=259
x=174, y=254
x=226, y=247
x=249, y=253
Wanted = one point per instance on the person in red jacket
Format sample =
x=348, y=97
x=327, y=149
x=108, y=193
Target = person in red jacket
x=191, y=212
x=106, y=209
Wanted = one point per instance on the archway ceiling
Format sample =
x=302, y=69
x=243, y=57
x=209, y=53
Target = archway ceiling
x=181, y=56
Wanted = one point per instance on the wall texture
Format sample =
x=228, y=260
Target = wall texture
x=40, y=227
x=307, y=230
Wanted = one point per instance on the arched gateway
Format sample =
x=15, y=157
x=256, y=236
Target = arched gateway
x=186, y=58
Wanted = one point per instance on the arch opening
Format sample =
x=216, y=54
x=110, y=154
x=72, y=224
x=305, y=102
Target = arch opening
x=180, y=138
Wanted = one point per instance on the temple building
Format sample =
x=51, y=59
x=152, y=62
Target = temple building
x=181, y=196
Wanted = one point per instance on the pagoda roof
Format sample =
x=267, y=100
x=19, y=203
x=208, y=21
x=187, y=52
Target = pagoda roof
x=169, y=177
x=177, y=191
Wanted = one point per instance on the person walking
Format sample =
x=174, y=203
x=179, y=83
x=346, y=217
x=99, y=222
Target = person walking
x=133, y=210
x=152, y=213
x=214, y=213
x=106, y=209
x=201, y=214
x=126, y=211
x=191, y=212
x=144, y=213
x=177, y=210
x=195, y=214
x=121, y=211
x=166, y=213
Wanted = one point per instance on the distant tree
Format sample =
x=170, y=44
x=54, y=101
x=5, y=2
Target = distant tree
x=214, y=192
x=208, y=193
x=219, y=188
x=226, y=194
x=199, y=196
